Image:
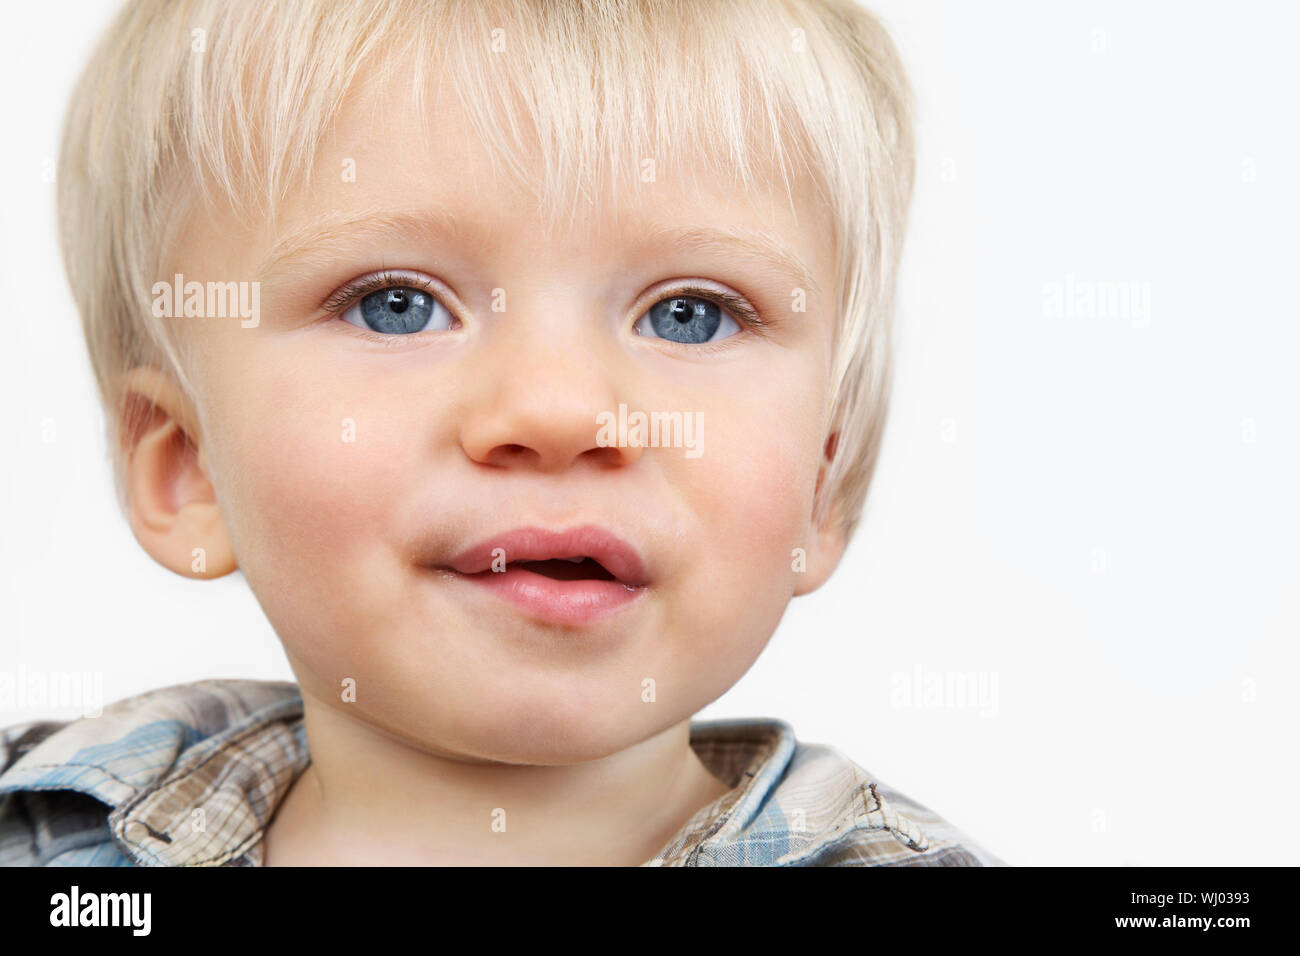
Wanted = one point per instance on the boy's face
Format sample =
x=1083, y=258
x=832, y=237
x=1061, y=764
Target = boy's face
x=345, y=465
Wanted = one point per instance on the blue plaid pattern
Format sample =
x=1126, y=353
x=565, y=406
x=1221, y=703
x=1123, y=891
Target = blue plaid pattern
x=191, y=775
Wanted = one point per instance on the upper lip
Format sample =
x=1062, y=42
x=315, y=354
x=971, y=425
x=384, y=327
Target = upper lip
x=617, y=556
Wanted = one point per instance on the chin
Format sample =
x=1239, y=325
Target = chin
x=550, y=735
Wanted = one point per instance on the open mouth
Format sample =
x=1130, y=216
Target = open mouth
x=573, y=578
x=585, y=555
x=566, y=569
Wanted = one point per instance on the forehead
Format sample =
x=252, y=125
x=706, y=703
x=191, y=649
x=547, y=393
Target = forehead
x=397, y=163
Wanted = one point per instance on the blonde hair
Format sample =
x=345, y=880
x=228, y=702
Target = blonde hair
x=190, y=100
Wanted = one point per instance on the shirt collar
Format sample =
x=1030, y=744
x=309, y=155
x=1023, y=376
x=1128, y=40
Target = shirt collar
x=191, y=773
x=213, y=807
x=750, y=756
x=194, y=773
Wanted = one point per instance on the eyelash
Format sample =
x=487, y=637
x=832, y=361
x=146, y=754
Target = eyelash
x=350, y=294
x=342, y=300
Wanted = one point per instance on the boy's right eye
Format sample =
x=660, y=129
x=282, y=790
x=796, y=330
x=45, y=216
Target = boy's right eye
x=398, y=310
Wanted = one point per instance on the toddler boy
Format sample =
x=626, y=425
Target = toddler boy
x=526, y=359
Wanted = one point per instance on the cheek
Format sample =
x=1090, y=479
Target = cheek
x=310, y=480
x=758, y=497
x=762, y=469
x=751, y=495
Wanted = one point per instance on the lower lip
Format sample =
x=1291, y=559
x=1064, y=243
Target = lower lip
x=552, y=600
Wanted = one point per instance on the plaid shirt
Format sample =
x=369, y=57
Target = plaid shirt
x=191, y=775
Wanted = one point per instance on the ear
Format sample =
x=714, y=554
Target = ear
x=826, y=542
x=173, y=507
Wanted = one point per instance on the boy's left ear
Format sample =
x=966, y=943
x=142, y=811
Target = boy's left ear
x=826, y=545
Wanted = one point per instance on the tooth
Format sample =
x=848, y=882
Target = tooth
x=576, y=560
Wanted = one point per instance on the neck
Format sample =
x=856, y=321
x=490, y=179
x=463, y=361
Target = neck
x=370, y=798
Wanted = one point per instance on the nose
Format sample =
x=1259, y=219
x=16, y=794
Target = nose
x=542, y=384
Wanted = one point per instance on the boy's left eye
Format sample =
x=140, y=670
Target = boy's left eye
x=687, y=319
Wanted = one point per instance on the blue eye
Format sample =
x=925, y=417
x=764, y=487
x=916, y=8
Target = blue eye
x=398, y=310
x=687, y=319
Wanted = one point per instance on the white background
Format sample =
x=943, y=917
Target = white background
x=1095, y=515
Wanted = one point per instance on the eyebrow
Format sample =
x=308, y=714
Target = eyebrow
x=334, y=234
x=761, y=246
